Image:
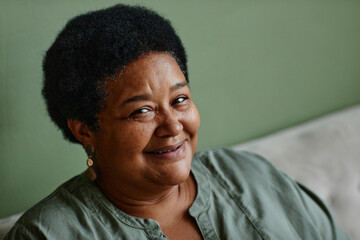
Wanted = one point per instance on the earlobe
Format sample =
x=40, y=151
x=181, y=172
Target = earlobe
x=80, y=130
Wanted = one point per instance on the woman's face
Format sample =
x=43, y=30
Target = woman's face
x=148, y=128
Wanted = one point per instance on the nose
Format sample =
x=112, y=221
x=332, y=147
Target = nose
x=169, y=125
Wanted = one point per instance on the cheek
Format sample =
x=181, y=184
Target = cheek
x=191, y=120
x=138, y=136
x=123, y=138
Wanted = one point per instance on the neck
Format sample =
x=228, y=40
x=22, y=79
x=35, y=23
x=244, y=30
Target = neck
x=161, y=204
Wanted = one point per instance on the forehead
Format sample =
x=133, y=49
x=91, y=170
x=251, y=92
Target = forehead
x=144, y=75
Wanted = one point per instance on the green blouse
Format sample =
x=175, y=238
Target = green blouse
x=239, y=196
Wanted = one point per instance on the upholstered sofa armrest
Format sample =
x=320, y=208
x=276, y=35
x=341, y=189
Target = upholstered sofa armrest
x=7, y=223
x=324, y=155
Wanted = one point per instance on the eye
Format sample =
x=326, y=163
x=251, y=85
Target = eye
x=180, y=99
x=140, y=111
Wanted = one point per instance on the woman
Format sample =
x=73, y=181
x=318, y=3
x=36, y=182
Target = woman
x=116, y=82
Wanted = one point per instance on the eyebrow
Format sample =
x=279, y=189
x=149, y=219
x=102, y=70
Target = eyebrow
x=144, y=97
x=136, y=98
x=179, y=85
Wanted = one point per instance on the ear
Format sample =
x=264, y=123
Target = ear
x=81, y=131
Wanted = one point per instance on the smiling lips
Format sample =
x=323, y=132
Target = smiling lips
x=169, y=151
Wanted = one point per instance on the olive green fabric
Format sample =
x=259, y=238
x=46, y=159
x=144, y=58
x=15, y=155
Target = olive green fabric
x=239, y=196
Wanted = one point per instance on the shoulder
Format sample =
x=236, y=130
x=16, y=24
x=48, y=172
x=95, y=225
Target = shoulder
x=268, y=196
x=48, y=216
x=67, y=197
x=235, y=166
x=249, y=176
x=229, y=155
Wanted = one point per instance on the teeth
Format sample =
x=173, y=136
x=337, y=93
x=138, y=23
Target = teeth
x=163, y=151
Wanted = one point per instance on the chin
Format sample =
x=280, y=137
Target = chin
x=172, y=172
x=175, y=175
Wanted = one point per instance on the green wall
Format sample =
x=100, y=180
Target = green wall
x=255, y=67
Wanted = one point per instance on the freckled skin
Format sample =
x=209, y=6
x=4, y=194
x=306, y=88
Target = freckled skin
x=130, y=131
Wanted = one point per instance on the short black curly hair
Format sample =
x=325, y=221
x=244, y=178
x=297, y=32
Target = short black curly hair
x=94, y=46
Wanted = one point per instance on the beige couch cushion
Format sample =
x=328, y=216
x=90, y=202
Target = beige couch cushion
x=7, y=223
x=324, y=155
